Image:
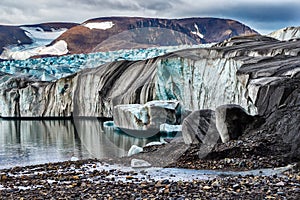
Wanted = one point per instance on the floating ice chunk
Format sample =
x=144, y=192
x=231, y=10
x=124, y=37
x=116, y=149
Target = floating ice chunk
x=99, y=25
x=153, y=144
x=74, y=158
x=134, y=149
x=137, y=163
x=109, y=124
x=147, y=117
x=167, y=128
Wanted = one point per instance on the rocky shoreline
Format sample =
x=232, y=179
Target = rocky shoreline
x=86, y=179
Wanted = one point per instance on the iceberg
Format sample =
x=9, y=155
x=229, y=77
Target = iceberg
x=167, y=128
x=134, y=149
x=133, y=118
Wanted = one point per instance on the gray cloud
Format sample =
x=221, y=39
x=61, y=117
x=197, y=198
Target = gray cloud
x=265, y=16
x=158, y=5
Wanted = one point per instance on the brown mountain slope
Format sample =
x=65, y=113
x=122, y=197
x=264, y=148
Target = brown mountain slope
x=113, y=33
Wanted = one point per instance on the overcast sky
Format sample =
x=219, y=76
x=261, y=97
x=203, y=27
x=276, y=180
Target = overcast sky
x=263, y=16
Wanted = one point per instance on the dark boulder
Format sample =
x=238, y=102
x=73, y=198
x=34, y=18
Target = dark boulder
x=231, y=121
x=200, y=127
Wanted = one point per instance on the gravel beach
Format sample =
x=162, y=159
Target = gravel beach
x=93, y=179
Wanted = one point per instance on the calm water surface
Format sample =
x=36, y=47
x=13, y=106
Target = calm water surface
x=27, y=142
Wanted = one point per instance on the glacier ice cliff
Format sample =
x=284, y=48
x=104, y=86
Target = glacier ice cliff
x=255, y=72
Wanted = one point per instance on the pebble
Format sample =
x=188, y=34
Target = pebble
x=281, y=183
x=206, y=187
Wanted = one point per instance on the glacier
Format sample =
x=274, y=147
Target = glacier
x=39, y=37
x=53, y=68
x=242, y=70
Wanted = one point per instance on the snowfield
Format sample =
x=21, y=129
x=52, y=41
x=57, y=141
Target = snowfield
x=40, y=39
x=57, y=49
x=99, y=25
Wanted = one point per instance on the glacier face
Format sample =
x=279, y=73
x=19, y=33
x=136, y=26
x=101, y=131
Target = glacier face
x=244, y=71
x=201, y=80
x=192, y=76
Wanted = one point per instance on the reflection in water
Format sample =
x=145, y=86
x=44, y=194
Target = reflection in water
x=25, y=142
x=105, y=142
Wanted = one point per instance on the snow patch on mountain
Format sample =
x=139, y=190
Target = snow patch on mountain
x=286, y=33
x=57, y=49
x=197, y=32
x=99, y=25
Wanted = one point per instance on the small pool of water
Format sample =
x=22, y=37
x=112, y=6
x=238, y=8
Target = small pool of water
x=28, y=142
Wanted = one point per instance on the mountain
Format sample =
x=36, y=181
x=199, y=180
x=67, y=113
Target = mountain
x=287, y=33
x=12, y=35
x=15, y=39
x=114, y=33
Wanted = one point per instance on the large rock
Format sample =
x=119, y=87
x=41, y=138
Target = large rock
x=200, y=127
x=132, y=118
x=231, y=121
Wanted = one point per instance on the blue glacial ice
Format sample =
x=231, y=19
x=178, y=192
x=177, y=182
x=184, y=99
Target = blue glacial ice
x=53, y=68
